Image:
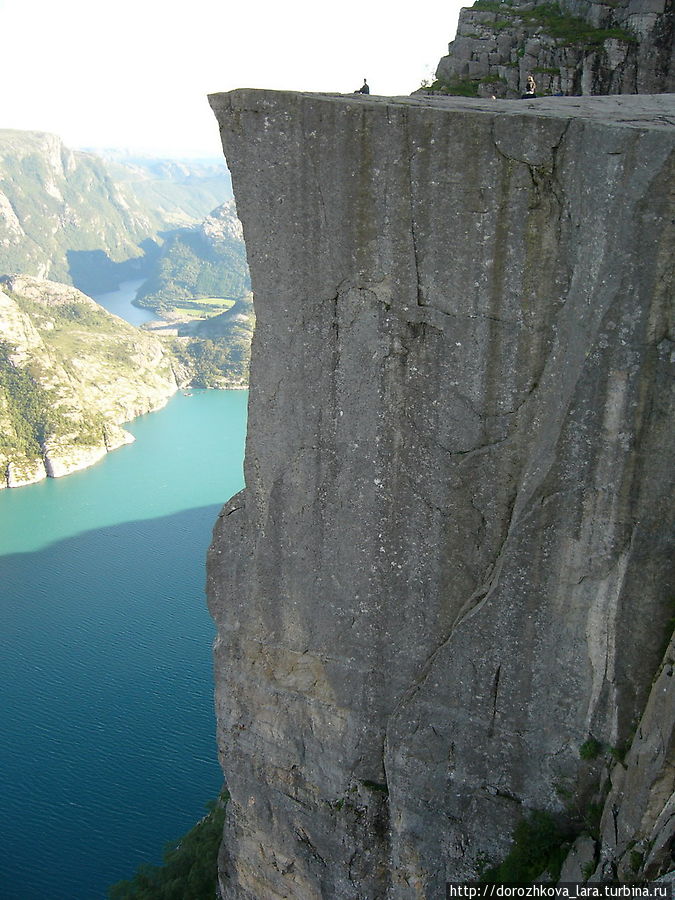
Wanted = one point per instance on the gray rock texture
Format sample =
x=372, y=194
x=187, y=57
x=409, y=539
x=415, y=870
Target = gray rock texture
x=448, y=568
x=637, y=830
x=617, y=47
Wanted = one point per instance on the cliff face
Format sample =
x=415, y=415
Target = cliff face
x=574, y=47
x=446, y=575
x=70, y=374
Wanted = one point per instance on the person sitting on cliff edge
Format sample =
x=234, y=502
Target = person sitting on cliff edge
x=364, y=89
x=530, y=89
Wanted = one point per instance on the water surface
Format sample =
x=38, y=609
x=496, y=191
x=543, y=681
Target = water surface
x=120, y=303
x=107, y=747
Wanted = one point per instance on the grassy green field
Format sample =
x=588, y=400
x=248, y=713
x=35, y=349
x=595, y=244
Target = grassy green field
x=202, y=307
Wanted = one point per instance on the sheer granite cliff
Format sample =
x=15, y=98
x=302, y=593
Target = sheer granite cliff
x=447, y=573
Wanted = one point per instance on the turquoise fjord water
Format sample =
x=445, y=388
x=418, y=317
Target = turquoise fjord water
x=107, y=747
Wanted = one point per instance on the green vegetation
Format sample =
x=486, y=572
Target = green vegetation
x=29, y=407
x=96, y=216
x=590, y=749
x=53, y=398
x=375, y=786
x=217, y=350
x=91, y=222
x=198, y=265
x=459, y=87
x=549, y=17
x=636, y=859
x=540, y=846
x=619, y=752
x=592, y=817
x=588, y=869
x=206, y=359
x=494, y=6
x=190, y=866
x=95, y=222
x=204, y=307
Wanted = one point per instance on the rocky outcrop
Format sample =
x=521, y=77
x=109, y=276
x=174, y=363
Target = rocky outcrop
x=574, y=47
x=637, y=830
x=446, y=577
x=70, y=375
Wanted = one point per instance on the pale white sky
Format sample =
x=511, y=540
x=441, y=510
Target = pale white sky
x=135, y=73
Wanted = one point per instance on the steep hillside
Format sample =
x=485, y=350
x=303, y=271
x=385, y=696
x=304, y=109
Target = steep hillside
x=572, y=47
x=71, y=217
x=206, y=261
x=232, y=330
x=70, y=375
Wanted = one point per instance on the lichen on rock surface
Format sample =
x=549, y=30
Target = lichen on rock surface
x=447, y=572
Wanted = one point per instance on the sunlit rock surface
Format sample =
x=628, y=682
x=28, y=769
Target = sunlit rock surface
x=70, y=375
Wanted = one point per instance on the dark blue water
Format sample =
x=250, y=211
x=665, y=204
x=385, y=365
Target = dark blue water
x=107, y=747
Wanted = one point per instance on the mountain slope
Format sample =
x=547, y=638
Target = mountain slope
x=205, y=261
x=70, y=375
x=65, y=215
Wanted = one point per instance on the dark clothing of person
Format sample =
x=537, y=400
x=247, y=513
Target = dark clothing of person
x=530, y=89
x=364, y=89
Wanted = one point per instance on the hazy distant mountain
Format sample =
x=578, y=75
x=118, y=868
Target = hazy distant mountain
x=73, y=217
x=181, y=191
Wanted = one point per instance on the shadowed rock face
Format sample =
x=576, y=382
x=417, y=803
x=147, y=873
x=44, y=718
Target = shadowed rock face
x=447, y=569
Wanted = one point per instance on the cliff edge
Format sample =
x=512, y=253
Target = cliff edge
x=441, y=599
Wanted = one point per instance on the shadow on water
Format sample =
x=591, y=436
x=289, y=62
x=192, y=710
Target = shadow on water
x=93, y=272
x=107, y=749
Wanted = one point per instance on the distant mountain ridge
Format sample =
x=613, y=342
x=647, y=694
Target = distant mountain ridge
x=77, y=218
